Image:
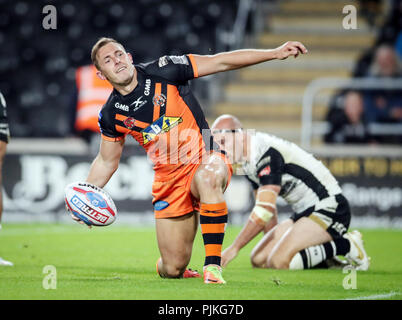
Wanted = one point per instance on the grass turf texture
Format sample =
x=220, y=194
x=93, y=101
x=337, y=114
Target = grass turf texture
x=118, y=262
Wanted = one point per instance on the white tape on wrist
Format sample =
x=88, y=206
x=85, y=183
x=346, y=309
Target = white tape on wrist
x=267, y=190
x=262, y=213
x=268, y=204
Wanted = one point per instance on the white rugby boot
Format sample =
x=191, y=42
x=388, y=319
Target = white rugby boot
x=357, y=256
x=5, y=262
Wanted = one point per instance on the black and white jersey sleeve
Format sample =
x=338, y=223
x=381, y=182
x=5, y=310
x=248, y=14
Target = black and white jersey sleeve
x=106, y=123
x=269, y=167
x=4, y=128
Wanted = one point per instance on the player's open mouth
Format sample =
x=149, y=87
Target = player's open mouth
x=121, y=69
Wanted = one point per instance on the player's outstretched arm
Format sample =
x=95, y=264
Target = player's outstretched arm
x=225, y=61
x=260, y=218
x=105, y=163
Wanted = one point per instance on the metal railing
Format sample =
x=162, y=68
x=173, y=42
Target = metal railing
x=309, y=128
x=235, y=37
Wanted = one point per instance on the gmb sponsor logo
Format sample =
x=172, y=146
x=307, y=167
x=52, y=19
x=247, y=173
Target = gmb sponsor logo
x=121, y=106
x=147, y=89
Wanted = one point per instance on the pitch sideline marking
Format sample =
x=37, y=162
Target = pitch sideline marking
x=375, y=296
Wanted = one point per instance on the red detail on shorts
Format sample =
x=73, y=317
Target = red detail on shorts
x=265, y=172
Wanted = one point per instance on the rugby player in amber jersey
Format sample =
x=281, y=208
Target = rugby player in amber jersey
x=4, y=138
x=154, y=104
x=317, y=231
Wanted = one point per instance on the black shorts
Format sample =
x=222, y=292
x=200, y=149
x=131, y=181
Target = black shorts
x=332, y=213
x=4, y=131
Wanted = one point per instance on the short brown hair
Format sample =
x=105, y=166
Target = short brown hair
x=99, y=44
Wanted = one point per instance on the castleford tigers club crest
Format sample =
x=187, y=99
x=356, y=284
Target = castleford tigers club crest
x=129, y=122
x=159, y=100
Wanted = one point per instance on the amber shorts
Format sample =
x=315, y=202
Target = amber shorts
x=173, y=198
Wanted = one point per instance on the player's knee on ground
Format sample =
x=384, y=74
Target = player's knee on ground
x=257, y=260
x=278, y=261
x=172, y=271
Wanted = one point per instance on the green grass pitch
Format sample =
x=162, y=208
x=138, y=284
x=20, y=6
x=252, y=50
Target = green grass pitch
x=118, y=262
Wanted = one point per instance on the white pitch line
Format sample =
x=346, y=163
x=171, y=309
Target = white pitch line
x=375, y=296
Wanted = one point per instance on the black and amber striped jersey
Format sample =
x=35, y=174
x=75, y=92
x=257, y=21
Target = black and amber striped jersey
x=303, y=179
x=162, y=114
x=4, y=129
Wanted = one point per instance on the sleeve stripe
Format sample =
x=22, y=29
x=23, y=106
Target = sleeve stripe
x=194, y=65
x=137, y=123
x=157, y=111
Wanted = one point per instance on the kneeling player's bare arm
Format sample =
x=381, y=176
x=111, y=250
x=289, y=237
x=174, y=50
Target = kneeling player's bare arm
x=225, y=61
x=261, y=216
x=104, y=165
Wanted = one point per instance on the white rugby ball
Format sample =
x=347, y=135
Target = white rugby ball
x=90, y=204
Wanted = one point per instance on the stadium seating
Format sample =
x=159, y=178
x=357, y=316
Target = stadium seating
x=37, y=66
x=268, y=97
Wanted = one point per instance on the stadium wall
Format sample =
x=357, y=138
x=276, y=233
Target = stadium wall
x=37, y=171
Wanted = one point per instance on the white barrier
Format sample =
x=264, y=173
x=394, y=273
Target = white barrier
x=308, y=128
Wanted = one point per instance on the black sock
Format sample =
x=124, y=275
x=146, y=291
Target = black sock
x=315, y=255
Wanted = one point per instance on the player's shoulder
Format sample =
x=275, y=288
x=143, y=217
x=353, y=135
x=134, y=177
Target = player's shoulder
x=267, y=148
x=113, y=97
x=163, y=61
x=164, y=67
x=267, y=141
x=280, y=148
x=108, y=110
x=262, y=142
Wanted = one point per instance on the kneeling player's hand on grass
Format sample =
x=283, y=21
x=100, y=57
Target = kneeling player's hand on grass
x=79, y=220
x=228, y=255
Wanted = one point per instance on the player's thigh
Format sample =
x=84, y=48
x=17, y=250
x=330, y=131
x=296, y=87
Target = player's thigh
x=3, y=147
x=303, y=234
x=211, y=176
x=175, y=238
x=264, y=247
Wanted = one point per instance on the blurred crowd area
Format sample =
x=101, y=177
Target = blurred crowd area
x=353, y=112
x=38, y=67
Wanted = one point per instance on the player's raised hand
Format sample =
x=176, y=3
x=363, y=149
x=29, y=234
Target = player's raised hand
x=290, y=48
x=228, y=255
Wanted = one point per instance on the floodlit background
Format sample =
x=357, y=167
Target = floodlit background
x=342, y=101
